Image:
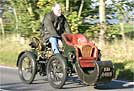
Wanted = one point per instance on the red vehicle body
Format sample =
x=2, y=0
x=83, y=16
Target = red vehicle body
x=86, y=51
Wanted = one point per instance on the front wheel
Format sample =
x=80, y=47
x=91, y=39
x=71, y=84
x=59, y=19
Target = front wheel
x=27, y=67
x=57, y=71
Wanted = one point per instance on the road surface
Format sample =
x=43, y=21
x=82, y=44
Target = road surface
x=9, y=81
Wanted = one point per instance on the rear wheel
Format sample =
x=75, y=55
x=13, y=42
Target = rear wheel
x=27, y=67
x=57, y=71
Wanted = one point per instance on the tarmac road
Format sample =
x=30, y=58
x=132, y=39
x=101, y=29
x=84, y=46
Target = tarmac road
x=9, y=81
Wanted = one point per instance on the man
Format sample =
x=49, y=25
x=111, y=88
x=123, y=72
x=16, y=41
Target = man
x=54, y=24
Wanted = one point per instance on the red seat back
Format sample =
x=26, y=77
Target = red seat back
x=74, y=39
x=86, y=51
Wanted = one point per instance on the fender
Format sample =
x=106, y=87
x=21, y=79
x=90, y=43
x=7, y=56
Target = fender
x=33, y=52
x=87, y=78
x=103, y=73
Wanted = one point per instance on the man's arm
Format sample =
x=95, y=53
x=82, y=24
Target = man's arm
x=67, y=27
x=49, y=26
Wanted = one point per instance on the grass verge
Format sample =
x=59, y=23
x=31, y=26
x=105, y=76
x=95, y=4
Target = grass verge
x=10, y=48
x=121, y=53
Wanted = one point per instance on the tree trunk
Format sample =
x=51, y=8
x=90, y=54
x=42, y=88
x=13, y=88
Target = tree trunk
x=2, y=28
x=1, y=21
x=81, y=6
x=123, y=36
x=122, y=30
x=102, y=23
x=30, y=11
x=67, y=6
x=16, y=19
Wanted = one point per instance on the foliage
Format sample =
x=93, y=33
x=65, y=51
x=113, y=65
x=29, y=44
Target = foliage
x=9, y=21
x=74, y=21
x=122, y=8
x=31, y=12
x=111, y=32
x=10, y=48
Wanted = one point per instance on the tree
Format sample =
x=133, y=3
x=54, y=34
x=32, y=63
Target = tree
x=122, y=7
x=81, y=6
x=102, y=22
x=1, y=20
x=67, y=6
x=15, y=14
x=28, y=14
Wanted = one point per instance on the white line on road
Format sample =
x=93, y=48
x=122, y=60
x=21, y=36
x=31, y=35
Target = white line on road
x=4, y=90
x=120, y=81
x=8, y=67
x=128, y=84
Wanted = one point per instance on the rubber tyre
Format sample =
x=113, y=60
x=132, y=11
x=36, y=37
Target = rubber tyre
x=55, y=63
x=32, y=61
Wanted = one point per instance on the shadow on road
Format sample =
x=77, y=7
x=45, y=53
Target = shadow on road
x=73, y=82
x=40, y=81
x=18, y=86
x=115, y=84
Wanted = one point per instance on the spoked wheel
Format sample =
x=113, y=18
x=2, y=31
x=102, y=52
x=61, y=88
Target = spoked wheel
x=27, y=67
x=57, y=71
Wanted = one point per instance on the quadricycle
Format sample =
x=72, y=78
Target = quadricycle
x=77, y=55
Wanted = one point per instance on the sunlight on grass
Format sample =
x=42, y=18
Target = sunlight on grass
x=122, y=55
x=118, y=51
x=9, y=50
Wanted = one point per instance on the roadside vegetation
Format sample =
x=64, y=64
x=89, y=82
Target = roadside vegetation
x=10, y=47
x=122, y=57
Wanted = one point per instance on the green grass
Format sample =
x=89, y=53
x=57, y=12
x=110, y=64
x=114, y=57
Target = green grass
x=128, y=27
x=122, y=55
x=125, y=71
x=9, y=49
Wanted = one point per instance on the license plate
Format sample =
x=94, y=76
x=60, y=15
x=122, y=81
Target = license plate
x=106, y=72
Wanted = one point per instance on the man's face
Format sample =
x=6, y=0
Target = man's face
x=57, y=10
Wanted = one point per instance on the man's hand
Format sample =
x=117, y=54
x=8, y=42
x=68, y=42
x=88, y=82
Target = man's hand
x=60, y=44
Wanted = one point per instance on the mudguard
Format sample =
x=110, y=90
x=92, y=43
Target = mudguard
x=88, y=77
x=33, y=52
x=102, y=72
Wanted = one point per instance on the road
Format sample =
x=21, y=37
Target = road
x=9, y=81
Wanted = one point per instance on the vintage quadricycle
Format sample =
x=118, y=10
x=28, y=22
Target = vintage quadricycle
x=77, y=55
